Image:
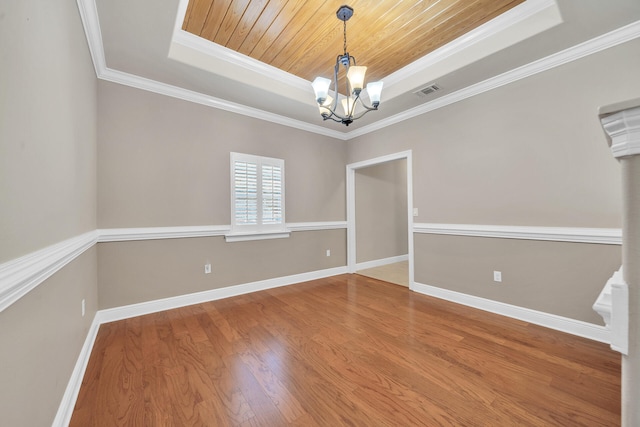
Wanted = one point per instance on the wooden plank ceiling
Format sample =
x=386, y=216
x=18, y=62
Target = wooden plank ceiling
x=303, y=37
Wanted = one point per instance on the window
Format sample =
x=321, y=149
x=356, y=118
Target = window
x=257, y=198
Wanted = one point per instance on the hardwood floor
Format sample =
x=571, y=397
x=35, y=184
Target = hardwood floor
x=397, y=273
x=347, y=350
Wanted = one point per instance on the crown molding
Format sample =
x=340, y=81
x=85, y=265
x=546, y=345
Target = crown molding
x=91, y=23
x=149, y=85
x=595, y=45
x=498, y=24
x=215, y=50
x=605, y=236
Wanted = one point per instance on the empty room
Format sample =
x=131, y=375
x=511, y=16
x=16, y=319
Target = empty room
x=212, y=214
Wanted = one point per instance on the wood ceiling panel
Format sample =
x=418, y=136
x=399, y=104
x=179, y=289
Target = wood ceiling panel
x=303, y=37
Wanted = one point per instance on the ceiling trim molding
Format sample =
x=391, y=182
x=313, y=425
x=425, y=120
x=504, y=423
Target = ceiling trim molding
x=91, y=23
x=149, y=85
x=508, y=19
x=597, y=44
x=460, y=46
x=225, y=54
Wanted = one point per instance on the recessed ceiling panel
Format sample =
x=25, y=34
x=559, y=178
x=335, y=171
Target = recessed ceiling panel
x=303, y=37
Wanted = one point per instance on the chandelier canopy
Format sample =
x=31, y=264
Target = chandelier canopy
x=353, y=105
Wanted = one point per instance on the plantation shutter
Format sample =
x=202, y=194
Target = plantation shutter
x=257, y=191
x=246, y=193
x=271, y=194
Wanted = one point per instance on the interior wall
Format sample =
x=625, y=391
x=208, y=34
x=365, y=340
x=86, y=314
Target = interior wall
x=139, y=271
x=165, y=162
x=561, y=278
x=531, y=153
x=381, y=211
x=47, y=195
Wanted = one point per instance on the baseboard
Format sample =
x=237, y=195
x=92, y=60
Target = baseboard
x=552, y=321
x=133, y=310
x=65, y=410
x=381, y=262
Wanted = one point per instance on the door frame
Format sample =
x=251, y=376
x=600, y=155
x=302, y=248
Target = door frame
x=351, y=207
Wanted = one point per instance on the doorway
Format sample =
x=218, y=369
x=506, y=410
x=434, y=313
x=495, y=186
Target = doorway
x=379, y=218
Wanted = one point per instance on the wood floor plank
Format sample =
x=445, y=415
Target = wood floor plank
x=346, y=350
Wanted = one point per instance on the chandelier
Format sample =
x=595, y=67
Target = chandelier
x=354, y=84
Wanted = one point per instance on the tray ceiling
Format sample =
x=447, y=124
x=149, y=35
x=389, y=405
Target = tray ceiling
x=303, y=37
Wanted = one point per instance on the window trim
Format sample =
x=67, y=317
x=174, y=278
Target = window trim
x=259, y=231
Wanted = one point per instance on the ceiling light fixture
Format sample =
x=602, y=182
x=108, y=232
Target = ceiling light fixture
x=354, y=84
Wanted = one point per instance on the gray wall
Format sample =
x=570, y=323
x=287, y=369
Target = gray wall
x=529, y=153
x=165, y=162
x=47, y=194
x=133, y=272
x=381, y=211
x=553, y=277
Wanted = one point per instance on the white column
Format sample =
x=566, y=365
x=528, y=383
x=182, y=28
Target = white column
x=622, y=126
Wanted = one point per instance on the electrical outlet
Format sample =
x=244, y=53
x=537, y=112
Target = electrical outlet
x=83, y=307
x=328, y=252
x=207, y=268
x=497, y=276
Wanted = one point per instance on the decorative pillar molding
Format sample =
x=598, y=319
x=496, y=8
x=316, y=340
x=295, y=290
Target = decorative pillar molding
x=623, y=131
x=621, y=123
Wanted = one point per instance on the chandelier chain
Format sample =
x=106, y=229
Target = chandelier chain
x=344, y=22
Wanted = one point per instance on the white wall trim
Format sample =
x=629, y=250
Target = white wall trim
x=153, y=233
x=65, y=410
x=607, y=236
x=552, y=321
x=623, y=130
x=127, y=311
x=380, y=262
x=91, y=23
x=351, y=206
x=21, y=275
x=316, y=226
x=262, y=235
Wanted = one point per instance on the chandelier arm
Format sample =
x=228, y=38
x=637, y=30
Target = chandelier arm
x=368, y=108
x=329, y=112
x=363, y=113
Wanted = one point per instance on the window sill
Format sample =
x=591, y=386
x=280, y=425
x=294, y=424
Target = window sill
x=256, y=235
